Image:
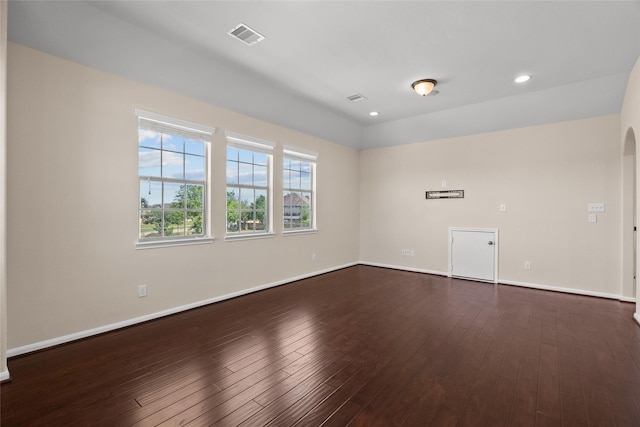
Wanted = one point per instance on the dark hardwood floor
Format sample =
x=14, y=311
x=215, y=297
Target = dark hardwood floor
x=363, y=346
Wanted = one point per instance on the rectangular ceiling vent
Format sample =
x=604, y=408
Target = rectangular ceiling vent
x=246, y=35
x=357, y=97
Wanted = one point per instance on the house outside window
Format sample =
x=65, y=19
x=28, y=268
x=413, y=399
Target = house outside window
x=299, y=178
x=173, y=164
x=249, y=186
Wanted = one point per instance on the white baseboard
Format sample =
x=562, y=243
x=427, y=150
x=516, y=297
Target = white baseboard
x=567, y=290
x=401, y=267
x=4, y=375
x=12, y=352
x=512, y=283
x=636, y=316
x=106, y=328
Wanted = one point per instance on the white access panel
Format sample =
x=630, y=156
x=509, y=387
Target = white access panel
x=473, y=254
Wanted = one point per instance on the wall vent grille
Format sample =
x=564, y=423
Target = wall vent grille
x=357, y=97
x=246, y=35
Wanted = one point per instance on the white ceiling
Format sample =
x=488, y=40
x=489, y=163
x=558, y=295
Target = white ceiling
x=316, y=53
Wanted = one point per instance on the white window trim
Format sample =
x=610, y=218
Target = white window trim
x=173, y=122
x=300, y=154
x=305, y=156
x=288, y=233
x=189, y=126
x=245, y=142
x=234, y=237
x=248, y=142
x=177, y=242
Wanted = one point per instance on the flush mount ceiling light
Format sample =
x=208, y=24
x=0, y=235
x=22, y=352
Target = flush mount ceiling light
x=523, y=78
x=424, y=87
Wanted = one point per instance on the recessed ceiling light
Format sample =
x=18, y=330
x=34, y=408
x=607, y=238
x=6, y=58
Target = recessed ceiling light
x=374, y=113
x=523, y=78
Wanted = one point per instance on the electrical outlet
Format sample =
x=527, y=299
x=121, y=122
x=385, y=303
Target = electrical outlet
x=503, y=207
x=527, y=265
x=412, y=252
x=142, y=291
x=595, y=207
x=314, y=257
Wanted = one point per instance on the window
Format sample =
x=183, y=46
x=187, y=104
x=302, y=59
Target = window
x=172, y=172
x=299, y=190
x=248, y=185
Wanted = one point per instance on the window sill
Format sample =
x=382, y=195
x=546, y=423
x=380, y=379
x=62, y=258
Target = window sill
x=170, y=243
x=237, y=237
x=296, y=232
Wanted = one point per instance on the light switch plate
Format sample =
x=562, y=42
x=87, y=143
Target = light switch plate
x=593, y=217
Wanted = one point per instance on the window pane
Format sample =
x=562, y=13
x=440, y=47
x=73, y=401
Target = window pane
x=172, y=165
x=245, y=156
x=148, y=138
x=246, y=197
x=260, y=158
x=305, y=180
x=245, y=174
x=174, y=223
x=150, y=194
x=286, y=178
x=150, y=223
x=249, y=221
x=173, y=195
x=232, y=172
x=195, y=196
x=287, y=163
x=194, y=222
x=294, y=178
x=261, y=199
x=233, y=222
x=194, y=168
x=260, y=176
x=232, y=153
x=233, y=205
x=172, y=143
x=233, y=194
x=148, y=162
x=193, y=146
x=261, y=220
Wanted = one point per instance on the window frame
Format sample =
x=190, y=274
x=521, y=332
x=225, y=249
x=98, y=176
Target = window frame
x=185, y=129
x=254, y=145
x=307, y=157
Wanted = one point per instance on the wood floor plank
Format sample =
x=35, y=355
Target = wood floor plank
x=525, y=397
x=362, y=346
x=574, y=412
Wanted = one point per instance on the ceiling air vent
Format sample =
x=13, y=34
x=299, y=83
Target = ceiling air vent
x=246, y=34
x=357, y=97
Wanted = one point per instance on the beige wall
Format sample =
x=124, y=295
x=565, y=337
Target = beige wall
x=630, y=133
x=72, y=197
x=546, y=175
x=73, y=193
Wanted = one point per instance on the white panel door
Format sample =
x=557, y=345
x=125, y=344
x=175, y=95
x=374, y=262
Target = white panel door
x=473, y=254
